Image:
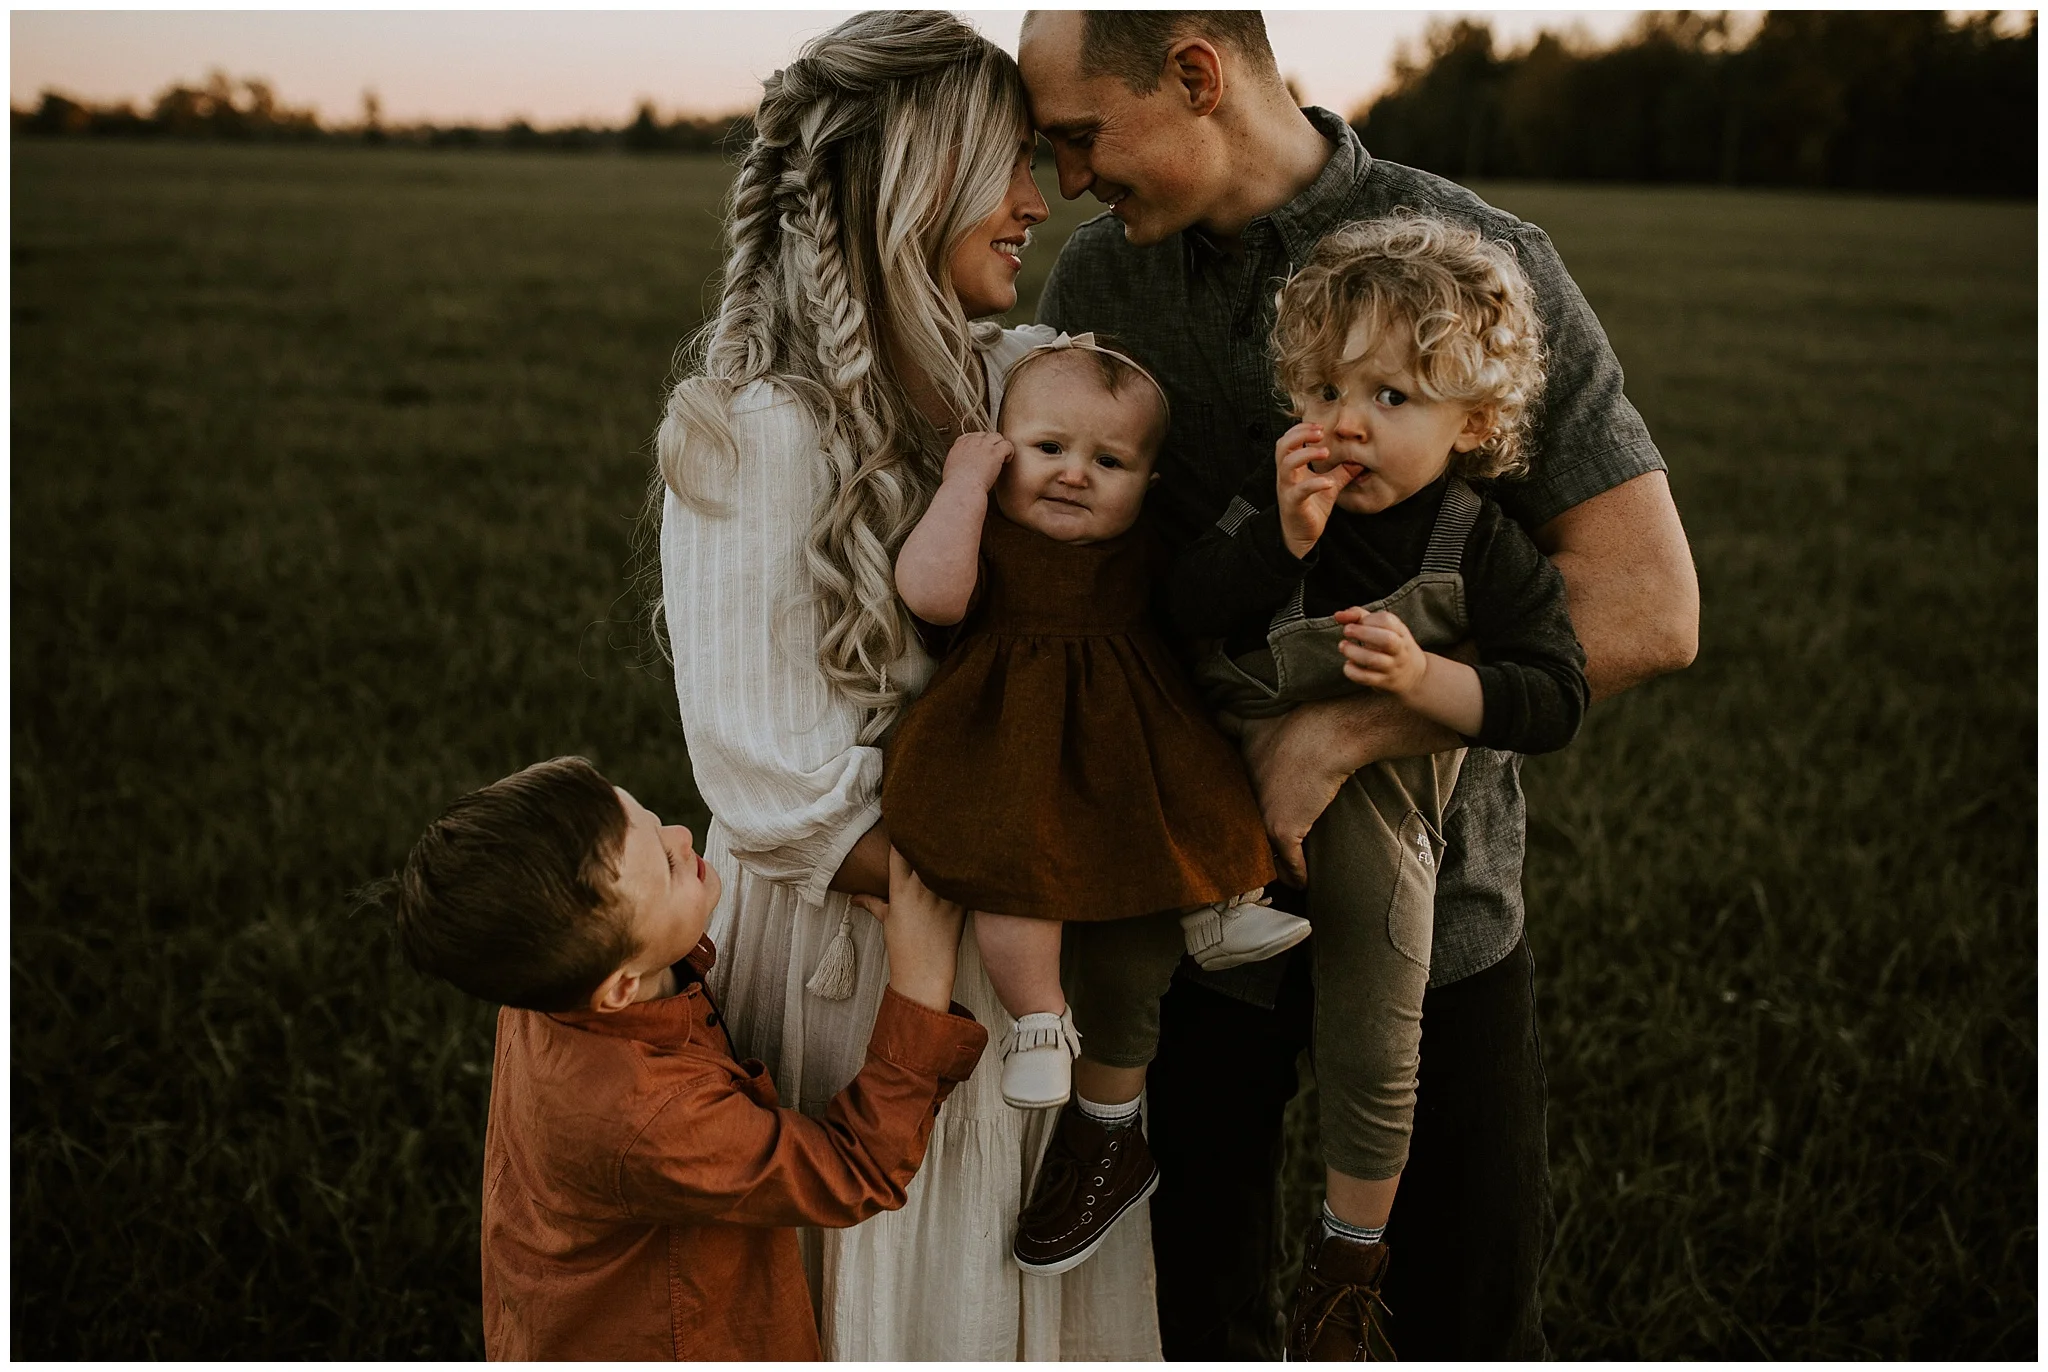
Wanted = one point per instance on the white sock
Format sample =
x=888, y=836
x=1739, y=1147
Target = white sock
x=1110, y=1115
x=1336, y=1228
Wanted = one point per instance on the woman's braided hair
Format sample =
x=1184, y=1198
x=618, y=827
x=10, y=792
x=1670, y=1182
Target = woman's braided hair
x=875, y=152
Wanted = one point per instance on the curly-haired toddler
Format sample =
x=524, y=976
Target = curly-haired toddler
x=1365, y=558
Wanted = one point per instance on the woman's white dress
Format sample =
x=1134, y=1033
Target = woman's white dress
x=776, y=759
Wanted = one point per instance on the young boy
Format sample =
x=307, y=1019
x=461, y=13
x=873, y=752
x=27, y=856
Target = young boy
x=1412, y=352
x=639, y=1182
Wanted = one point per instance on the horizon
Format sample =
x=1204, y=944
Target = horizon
x=558, y=69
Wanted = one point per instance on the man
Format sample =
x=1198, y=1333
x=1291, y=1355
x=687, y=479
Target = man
x=1217, y=185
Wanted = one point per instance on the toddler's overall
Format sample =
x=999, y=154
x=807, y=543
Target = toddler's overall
x=1372, y=857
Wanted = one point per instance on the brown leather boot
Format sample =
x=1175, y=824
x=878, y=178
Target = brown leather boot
x=1338, y=1313
x=1090, y=1178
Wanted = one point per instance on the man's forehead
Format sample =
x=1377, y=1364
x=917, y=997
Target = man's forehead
x=1049, y=56
x=1052, y=38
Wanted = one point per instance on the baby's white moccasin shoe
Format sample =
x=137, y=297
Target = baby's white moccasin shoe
x=1038, y=1062
x=1231, y=933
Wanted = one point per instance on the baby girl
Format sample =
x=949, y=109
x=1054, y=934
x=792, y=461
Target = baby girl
x=1059, y=769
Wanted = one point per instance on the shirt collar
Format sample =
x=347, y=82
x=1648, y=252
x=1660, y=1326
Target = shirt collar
x=1302, y=221
x=668, y=1018
x=1324, y=204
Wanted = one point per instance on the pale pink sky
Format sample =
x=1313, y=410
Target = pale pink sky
x=554, y=67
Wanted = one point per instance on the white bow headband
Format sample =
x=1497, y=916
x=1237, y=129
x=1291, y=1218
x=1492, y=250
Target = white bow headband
x=1085, y=342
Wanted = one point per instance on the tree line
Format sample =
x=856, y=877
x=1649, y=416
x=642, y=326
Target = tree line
x=1897, y=100
x=249, y=111
x=1892, y=100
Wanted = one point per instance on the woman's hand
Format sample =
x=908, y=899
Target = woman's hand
x=865, y=869
x=976, y=460
x=1306, y=495
x=922, y=934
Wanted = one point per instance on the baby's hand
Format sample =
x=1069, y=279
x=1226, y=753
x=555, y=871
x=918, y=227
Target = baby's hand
x=1305, y=495
x=978, y=458
x=1380, y=652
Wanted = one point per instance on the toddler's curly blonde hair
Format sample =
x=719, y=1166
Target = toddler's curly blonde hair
x=1472, y=312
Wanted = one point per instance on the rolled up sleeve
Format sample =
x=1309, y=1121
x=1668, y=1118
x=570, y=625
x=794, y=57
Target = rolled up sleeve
x=776, y=753
x=1591, y=438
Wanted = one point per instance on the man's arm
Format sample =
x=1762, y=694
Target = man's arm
x=1635, y=603
x=1629, y=579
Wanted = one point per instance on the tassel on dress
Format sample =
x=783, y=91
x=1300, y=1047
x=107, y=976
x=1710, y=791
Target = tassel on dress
x=838, y=969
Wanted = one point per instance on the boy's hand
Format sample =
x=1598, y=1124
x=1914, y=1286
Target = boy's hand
x=977, y=459
x=922, y=934
x=1380, y=652
x=1305, y=495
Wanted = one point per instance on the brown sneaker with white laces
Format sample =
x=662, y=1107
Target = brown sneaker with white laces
x=1090, y=1178
x=1338, y=1313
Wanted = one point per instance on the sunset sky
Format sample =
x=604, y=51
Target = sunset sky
x=554, y=67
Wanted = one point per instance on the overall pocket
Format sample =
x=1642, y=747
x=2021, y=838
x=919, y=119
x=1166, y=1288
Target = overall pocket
x=1411, y=910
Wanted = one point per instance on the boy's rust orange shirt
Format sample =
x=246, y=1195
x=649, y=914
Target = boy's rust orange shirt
x=640, y=1184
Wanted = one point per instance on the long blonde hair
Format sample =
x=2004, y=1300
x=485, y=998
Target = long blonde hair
x=876, y=152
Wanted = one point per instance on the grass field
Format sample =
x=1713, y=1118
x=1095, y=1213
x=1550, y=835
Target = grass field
x=326, y=465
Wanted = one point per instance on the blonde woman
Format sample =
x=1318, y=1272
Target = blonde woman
x=882, y=207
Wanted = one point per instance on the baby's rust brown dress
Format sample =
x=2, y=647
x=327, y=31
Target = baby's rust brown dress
x=1058, y=765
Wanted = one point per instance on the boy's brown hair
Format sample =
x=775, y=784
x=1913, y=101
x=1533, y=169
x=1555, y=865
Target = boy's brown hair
x=509, y=895
x=1471, y=311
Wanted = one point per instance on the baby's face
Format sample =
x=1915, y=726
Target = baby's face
x=1083, y=459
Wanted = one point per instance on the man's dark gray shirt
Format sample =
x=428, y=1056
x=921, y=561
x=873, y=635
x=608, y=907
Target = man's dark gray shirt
x=1199, y=317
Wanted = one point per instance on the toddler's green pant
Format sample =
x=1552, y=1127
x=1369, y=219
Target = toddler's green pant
x=1372, y=865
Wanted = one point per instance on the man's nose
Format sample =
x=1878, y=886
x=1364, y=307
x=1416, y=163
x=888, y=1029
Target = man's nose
x=689, y=839
x=1075, y=177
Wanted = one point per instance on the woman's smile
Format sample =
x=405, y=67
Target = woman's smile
x=985, y=276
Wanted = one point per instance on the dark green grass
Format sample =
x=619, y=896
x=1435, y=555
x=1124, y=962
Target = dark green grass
x=326, y=465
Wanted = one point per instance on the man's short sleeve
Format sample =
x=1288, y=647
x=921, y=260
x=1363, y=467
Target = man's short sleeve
x=1590, y=438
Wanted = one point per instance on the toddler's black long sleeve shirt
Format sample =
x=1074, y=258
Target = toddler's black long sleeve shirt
x=1232, y=581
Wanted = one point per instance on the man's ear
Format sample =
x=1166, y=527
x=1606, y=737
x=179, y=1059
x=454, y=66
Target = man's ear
x=1195, y=73
x=1479, y=426
x=615, y=992
x=1151, y=481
